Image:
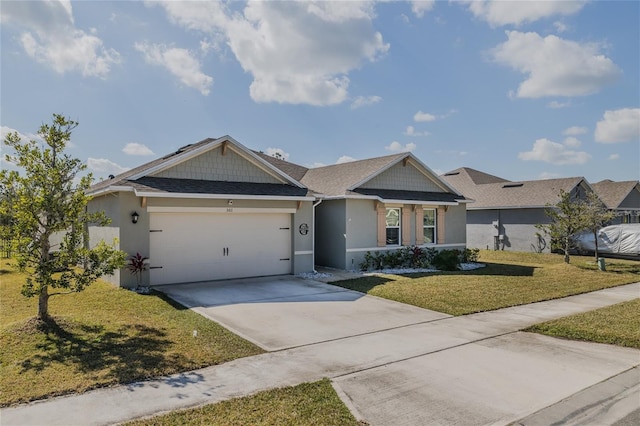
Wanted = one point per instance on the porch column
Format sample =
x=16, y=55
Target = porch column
x=440, y=224
x=382, y=224
x=419, y=225
x=405, y=225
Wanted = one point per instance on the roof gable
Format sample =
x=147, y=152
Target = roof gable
x=618, y=194
x=204, y=161
x=222, y=163
x=392, y=172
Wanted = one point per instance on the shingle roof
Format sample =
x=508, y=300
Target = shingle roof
x=613, y=193
x=507, y=194
x=294, y=170
x=193, y=186
x=476, y=176
x=335, y=180
x=389, y=194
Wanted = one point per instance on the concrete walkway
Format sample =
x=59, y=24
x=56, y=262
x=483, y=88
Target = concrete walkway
x=475, y=369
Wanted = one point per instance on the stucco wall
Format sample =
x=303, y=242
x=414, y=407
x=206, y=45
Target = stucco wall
x=455, y=225
x=518, y=226
x=303, y=244
x=330, y=241
x=213, y=165
x=110, y=205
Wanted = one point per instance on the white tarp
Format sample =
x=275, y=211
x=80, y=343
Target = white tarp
x=619, y=239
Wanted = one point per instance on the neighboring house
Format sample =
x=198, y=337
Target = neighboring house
x=217, y=210
x=382, y=204
x=211, y=210
x=623, y=198
x=504, y=214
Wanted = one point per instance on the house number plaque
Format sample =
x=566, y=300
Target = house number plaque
x=304, y=229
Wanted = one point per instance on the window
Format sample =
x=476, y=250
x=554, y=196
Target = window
x=393, y=227
x=429, y=226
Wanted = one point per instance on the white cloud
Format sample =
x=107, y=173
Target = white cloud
x=419, y=7
x=102, y=165
x=4, y=131
x=554, y=66
x=398, y=147
x=424, y=116
x=345, y=159
x=361, y=101
x=558, y=105
x=572, y=142
x=51, y=38
x=614, y=157
x=560, y=26
x=179, y=62
x=278, y=153
x=411, y=131
x=554, y=153
x=621, y=125
x=133, y=148
x=498, y=13
x=574, y=131
x=297, y=52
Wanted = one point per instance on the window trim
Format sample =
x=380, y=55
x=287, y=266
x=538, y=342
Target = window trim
x=434, y=226
x=399, y=227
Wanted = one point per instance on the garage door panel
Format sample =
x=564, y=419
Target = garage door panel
x=203, y=246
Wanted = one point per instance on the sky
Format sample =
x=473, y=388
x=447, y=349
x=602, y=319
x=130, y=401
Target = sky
x=522, y=90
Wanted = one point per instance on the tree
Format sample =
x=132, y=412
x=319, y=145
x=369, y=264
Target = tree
x=596, y=216
x=48, y=200
x=567, y=219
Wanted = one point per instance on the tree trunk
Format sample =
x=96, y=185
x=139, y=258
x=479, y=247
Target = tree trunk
x=43, y=304
x=595, y=237
x=566, y=251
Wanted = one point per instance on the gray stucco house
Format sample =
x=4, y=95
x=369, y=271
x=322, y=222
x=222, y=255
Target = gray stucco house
x=218, y=210
x=210, y=210
x=623, y=198
x=504, y=214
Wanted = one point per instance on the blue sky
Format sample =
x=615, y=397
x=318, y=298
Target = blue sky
x=523, y=90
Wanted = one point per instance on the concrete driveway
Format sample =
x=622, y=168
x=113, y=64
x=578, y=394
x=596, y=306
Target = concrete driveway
x=284, y=312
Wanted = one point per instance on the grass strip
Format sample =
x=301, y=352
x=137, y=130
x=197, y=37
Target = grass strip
x=306, y=404
x=616, y=325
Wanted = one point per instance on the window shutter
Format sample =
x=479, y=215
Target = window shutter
x=419, y=225
x=440, y=225
x=405, y=225
x=382, y=225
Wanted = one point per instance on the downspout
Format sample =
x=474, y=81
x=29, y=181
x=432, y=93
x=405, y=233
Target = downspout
x=313, y=235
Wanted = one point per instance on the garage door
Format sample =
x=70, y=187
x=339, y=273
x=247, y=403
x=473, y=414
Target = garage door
x=188, y=247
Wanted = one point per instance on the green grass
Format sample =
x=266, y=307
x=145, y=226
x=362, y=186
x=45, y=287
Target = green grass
x=509, y=279
x=306, y=404
x=617, y=325
x=100, y=337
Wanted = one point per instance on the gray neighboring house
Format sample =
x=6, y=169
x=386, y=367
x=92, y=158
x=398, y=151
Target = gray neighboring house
x=623, y=198
x=504, y=214
x=382, y=204
x=211, y=210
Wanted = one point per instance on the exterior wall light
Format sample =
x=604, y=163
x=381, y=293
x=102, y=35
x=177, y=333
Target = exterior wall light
x=134, y=217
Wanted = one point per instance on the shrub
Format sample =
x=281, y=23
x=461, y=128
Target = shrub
x=469, y=255
x=447, y=260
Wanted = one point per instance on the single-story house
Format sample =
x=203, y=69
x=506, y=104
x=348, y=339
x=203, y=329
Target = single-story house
x=504, y=214
x=211, y=210
x=217, y=210
x=623, y=198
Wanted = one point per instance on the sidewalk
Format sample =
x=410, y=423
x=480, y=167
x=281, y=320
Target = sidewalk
x=477, y=350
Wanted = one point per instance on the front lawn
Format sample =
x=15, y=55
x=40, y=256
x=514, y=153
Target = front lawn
x=616, y=325
x=508, y=279
x=306, y=404
x=100, y=337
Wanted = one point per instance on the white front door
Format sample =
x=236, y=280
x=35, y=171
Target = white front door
x=188, y=247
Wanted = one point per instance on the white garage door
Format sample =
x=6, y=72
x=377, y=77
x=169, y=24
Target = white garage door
x=188, y=247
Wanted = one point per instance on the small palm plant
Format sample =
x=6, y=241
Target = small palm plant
x=137, y=265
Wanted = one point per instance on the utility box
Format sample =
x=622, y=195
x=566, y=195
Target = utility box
x=601, y=264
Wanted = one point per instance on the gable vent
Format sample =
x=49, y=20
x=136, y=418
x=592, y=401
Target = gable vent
x=512, y=185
